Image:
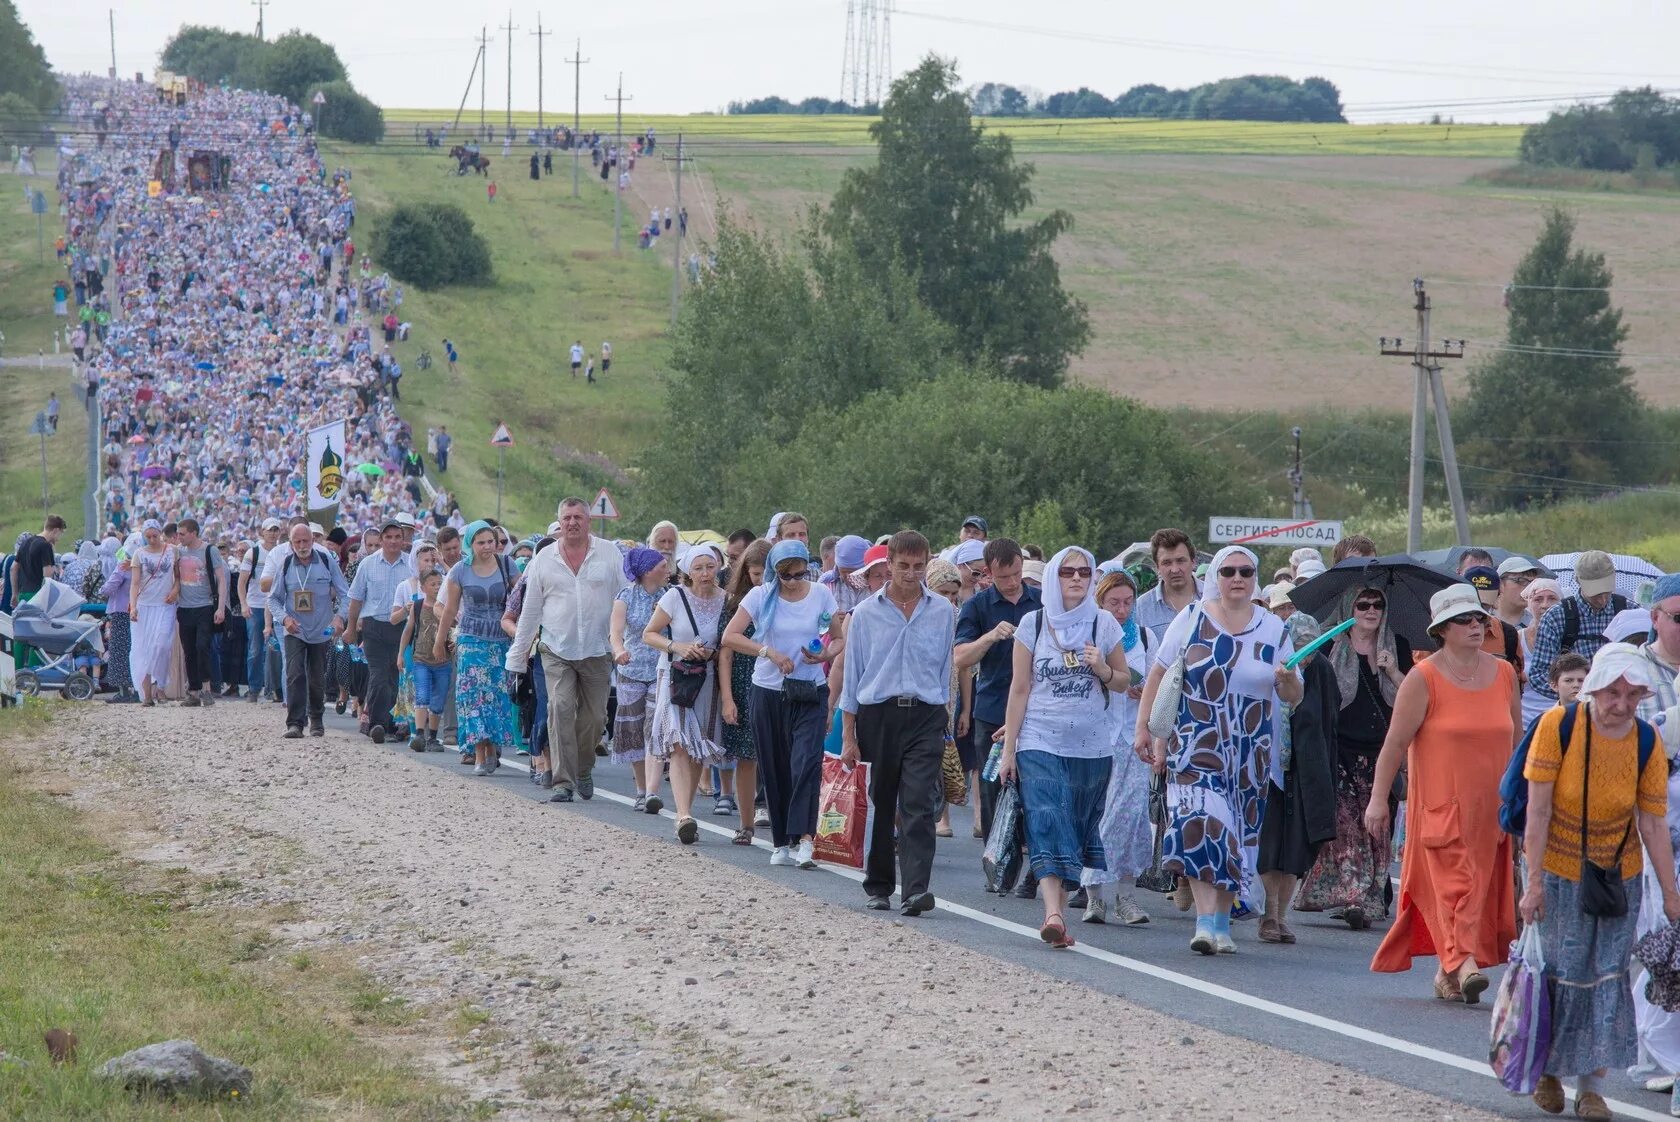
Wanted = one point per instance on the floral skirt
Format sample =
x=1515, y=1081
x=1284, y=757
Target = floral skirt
x=1352, y=869
x=1587, y=963
x=695, y=729
x=116, y=653
x=483, y=712
x=629, y=731
x=738, y=743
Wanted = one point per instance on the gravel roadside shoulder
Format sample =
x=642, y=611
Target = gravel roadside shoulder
x=580, y=970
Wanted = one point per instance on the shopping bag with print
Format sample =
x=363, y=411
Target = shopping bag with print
x=1521, y=1038
x=843, y=813
x=1002, y=856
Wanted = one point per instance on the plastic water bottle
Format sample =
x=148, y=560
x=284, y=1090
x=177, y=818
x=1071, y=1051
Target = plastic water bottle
x=993, y=761
x=823, y=621
x=813, y=649
x=326, y=633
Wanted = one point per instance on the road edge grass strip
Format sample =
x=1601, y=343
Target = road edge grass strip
x=124, y=954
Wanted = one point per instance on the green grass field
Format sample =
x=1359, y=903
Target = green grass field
x=27, y=275
x=557, y=280
x=1077, y=135
x=123, y=955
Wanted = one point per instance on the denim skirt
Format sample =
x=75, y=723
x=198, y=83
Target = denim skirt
x=1063, y=798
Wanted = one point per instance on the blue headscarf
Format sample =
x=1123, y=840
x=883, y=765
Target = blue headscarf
x=470, y=531
x=791, y=550
x=640, y=561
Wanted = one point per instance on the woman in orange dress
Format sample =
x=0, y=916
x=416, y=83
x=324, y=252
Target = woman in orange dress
x=1459, y=713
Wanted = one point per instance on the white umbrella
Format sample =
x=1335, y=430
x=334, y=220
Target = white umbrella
x=1633, y=574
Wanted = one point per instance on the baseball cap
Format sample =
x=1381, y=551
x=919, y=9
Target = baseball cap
x=405, y=520
x=1481, y=578
x=978, y=523
x=394, y=520
x=317, y=529
x=1595, y=573
x=271, y=524
x=1515, y=564
x=873, y=556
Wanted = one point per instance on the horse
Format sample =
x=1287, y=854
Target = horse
x=465, y=161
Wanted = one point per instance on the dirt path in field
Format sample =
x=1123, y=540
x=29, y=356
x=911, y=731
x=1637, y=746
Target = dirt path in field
x=615, y=973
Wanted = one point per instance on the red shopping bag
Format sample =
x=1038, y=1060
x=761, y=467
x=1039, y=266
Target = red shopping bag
x=843, y=813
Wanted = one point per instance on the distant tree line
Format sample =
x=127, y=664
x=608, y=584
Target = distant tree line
x=1251, y=97
x=294, y=66
x=1635, y=129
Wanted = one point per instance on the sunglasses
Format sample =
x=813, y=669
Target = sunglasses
x=1467, y=619
x=1070, y=572
x=975, y=571
x=1521, y=580
x=791, y=577
x=1368, y=605
x=1243, y=571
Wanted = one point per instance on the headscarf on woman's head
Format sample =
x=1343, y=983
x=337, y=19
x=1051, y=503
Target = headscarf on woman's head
x=694, y=553
x=1302, y=629
x=470, y=531
x=1344, y=660
x=641, y=561
x=775, y=524
x=151, y=524
x=133, y=544
x=791, y=550
x=1070, y=622
x=1210, y=585
x=1617, y=660
x=109, y=547
x=941, y=572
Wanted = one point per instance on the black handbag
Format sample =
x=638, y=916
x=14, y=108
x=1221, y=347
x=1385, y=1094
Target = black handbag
x=1602, y=892
x=1154, y=878
x=688, y=678
x=801, y=692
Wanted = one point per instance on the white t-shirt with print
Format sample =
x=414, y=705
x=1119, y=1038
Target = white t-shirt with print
x=794, y=624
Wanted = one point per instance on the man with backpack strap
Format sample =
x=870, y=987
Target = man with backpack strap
x=201, y=608
x=1578, y=622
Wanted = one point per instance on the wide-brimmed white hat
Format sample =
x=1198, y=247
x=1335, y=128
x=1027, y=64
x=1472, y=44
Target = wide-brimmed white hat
x=1453, y=601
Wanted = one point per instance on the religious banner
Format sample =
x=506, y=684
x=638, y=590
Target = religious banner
x=324, y=476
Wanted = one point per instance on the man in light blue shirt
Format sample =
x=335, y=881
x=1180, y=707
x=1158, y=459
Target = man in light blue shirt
x=896, y=679
x=375, y=585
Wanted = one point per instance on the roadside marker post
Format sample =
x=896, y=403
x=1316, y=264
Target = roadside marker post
x=501, y=440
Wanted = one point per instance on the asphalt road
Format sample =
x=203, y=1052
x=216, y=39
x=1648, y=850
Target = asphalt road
x=1317, y=997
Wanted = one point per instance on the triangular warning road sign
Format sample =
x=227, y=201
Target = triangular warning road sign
x=502, y=438
x=603, y=506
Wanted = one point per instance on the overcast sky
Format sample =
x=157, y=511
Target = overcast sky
x=695, y=55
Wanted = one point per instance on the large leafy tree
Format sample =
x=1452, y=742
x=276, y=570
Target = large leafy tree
x=213, y=55
x=1556, y=405
x=23, y=67
x=347, y=115
x=297, y=62
x=943, y=201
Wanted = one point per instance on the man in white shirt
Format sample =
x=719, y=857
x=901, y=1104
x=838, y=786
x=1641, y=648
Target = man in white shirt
x=577, y=357
x=569, y=591
x=254, y=569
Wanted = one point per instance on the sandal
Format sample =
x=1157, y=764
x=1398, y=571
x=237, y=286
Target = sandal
x=1446, y=988
x=742, y=837
x=1055, y=933
x=688, y=831
x=1473, y=986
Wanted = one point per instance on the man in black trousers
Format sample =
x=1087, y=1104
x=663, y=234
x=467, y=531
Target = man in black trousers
x=896, y=682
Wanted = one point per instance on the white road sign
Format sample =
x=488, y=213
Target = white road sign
x=1236, y=530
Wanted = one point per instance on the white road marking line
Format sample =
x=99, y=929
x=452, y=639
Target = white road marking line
x=1210, y=989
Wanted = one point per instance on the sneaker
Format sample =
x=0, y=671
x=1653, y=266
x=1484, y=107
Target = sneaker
x=723, y=806
x=917, y=904
x=1126, y=910
x=586, y=787
x=191, y=701
x=294, y=732
x=495, y=762
x=376, y=733
x=1202, y=942
x=416, y=743
x=1223, y=944
x=523, y=753
x=432, y=743
x=1673, y=1099
x=653, y=804
x=561, y=795
x=761, y=818
x=781, y=855
x=469, y=758
x=803, y=856
x=1078, y=898
x=878, y=903
x=1095, y=910
x=317, y=730
x=230, y=691
x=639, y=806
x=480, y=769
x=1354, y=917
x=208, y=697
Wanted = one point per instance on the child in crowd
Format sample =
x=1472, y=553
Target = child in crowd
x=1569, y=674
x=431, y=679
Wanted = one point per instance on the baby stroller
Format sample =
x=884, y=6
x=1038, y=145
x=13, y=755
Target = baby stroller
x=48, y=624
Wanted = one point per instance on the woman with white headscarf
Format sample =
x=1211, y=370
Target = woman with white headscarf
x=152, y=592
x=1218, y=761
x=118, y=641
x=1058, y=731
x=1586, y=801
x=84, y=564
x=687, y=624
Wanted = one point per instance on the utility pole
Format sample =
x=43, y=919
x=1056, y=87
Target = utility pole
x=1426, y=382
x=1302, y=508
x=259, y=5
x=618, y=190
x=483, y=42
x=676, y=242
x=539, y=33
x=576, y=63
x=510, y=29
x=478, y=57
x=112, y=13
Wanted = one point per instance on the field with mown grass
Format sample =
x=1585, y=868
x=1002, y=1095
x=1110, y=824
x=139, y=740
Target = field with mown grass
x=124, y=954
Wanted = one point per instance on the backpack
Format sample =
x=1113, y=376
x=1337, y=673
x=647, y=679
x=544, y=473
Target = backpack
x=1513, y=788
x=1572, y=620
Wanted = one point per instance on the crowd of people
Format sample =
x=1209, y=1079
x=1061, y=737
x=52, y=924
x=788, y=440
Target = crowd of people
x=1156, y=729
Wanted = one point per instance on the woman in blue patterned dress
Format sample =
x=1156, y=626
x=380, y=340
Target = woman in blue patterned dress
x=479, y=586
x=635, y=667
x=1218, y=761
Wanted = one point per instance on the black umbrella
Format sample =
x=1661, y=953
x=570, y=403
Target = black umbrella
x=1405, y=583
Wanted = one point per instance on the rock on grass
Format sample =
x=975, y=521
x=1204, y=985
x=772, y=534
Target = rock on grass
x=177, y=1068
